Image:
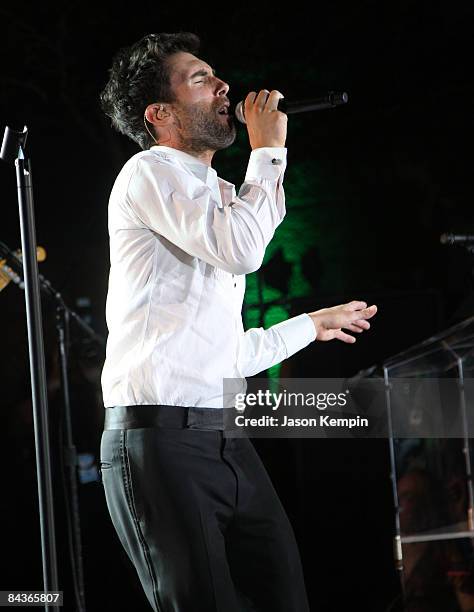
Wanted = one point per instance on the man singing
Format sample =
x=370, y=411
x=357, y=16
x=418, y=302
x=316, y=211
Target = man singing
x=195, y=511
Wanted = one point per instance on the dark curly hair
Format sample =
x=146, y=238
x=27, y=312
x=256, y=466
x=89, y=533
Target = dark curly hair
x=139, y=77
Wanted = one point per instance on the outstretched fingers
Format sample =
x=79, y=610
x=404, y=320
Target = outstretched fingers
x=356, y=319
x=364, y=313
x=356, y=305
x=340, y=335
x=355, y=328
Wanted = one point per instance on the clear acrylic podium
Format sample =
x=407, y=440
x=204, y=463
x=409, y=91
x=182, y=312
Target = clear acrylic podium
x=432, y=475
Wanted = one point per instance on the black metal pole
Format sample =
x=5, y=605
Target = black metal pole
x=397, y=540
x=70, y=454
x=38, y=374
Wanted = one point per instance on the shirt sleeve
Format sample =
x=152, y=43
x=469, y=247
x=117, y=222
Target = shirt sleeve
x=261, y=349
x=173, y=203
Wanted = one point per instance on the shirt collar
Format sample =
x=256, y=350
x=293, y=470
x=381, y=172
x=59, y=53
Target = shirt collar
x=201, y=170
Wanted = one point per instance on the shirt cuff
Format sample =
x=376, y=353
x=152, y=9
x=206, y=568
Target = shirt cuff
x=296, y=333
x=266, y=162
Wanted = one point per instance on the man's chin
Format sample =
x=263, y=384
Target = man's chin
x=228, y=142
x=213, y=136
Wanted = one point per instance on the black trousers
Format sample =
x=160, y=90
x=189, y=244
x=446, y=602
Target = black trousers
x=200, y=520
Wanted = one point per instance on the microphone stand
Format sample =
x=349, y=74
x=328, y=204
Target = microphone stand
x=28, y=267
x=70, y=456
x=13, y=150
x=63, y=317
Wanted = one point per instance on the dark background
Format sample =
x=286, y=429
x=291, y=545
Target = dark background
x=380, y=179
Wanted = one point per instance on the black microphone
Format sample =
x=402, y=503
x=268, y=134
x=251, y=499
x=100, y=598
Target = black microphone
x=329, y=100
x=456, y=238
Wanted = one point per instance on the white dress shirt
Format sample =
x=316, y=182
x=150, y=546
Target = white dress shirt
x=181, y=242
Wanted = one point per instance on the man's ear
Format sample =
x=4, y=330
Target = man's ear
x=157, y=114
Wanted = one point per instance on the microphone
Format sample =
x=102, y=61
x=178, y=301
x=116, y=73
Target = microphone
x=329, y=100
x=456, y=238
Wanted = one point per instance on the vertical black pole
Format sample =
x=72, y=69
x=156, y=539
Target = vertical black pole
x=397, y=540
x=70, y=454
x=38, y=374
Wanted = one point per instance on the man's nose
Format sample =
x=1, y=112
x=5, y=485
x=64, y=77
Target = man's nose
x=222, y=88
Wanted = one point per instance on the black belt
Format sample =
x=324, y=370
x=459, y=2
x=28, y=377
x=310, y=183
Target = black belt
x=175, y=417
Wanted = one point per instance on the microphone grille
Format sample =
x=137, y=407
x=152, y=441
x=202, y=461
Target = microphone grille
x=239, y=112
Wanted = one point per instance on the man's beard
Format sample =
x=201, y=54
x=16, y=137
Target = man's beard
x=203, y=129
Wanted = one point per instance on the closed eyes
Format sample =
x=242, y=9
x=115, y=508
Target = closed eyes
x=202, y=73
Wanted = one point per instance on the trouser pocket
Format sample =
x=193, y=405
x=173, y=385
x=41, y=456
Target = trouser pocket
x=104, y=465
x=107, y=453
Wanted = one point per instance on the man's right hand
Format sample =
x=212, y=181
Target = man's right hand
x=265, y=124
